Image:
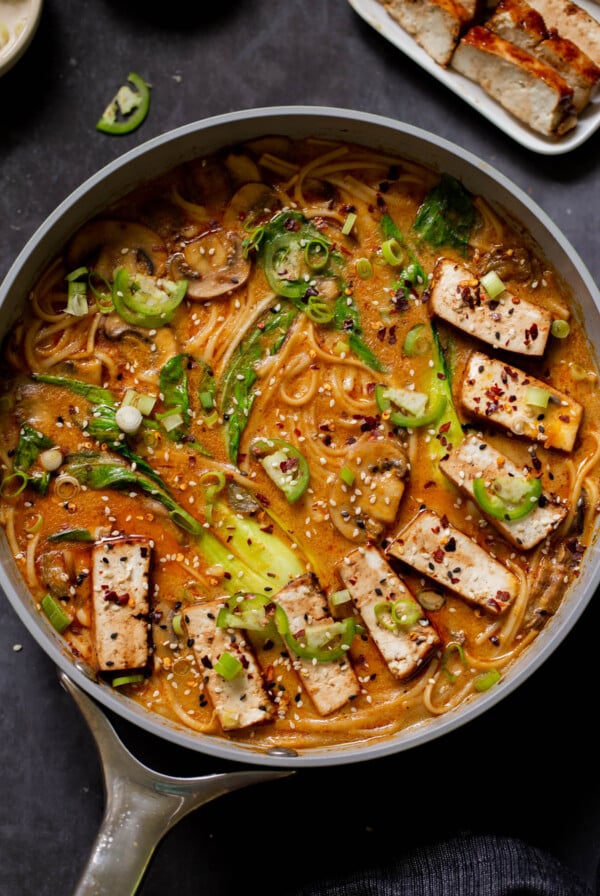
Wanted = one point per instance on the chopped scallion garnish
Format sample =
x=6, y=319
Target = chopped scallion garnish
x=58, y=617
x=560, y=328
x=228, y=666
x=492, y=284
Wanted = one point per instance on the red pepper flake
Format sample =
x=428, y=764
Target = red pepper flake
x=444, y=427
x=565, y=418
x=429, y=484
x=114, y=598
x=438, y=555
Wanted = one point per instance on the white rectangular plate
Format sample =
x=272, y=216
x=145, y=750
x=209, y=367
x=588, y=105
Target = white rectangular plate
x=375, y=15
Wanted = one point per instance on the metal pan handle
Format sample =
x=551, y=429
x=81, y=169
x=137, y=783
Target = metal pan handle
x=141, y=806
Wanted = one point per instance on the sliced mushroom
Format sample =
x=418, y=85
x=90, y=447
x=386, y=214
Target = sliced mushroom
x=208, y=183
x=57, y=572
x=241, y=500
x=106, y=245
x=213, y=265
x=115, y=328
x=241, y=168
x=509, y=263
x=251, y=203
x=362, y=511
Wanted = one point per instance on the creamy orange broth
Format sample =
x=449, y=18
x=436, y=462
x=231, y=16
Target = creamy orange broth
x=314, y=392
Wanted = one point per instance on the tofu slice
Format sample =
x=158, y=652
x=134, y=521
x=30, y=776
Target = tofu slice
x=497, y=393
x=370, y=580
x=437, y=549
x=519, y=23
x=329, y=685
x=474, y=458
x=120, y=598
x=525, y=86
x=575, y=66
x=436, y=25
x=572, y=22
x=508, y=322
x=244, y=700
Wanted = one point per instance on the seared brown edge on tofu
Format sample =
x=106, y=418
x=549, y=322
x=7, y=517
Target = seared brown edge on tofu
x=500, y=393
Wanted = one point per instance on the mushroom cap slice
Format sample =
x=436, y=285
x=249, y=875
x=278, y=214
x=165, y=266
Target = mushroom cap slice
x=362, y=511
x=253, y=202
x=213, y=264
x=105, y=245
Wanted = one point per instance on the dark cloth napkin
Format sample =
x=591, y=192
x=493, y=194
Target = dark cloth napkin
x=466, y=865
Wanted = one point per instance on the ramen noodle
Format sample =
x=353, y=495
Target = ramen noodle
x=298, y=444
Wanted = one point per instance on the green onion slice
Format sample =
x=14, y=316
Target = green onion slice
x=349, y=223
x=453, y=647
x=560, y=329
x=537, y=397
x=392, y=252
x=347, y=476
x=121, y=680
x=417, y=341
x=486, y=680
x=492, y=284
x=364, y=268
x=316, y=254
x=14, y=484
x=228, y=666
x=58, y=618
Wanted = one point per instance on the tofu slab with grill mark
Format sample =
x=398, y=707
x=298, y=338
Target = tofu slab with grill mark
x=371, y=580
x=572, y=22
x=437, y=549
x=330, y=685
x=506, y=322
x=238, y=703
x=525, y=86
x=500, y=394
x=521, y=24
x=436, y=25
x=120, y=594
x=476, y=458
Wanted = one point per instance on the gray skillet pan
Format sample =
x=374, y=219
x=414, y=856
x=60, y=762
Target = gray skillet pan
x=151, y=159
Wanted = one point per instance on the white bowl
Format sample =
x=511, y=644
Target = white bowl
x=19, y=20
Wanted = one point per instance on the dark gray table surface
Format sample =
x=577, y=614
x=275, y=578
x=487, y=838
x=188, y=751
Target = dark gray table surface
x=527, y=769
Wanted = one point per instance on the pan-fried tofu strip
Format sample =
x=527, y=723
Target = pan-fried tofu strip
x=528, y=88
x=238, y=703
x=500, y=393
x=120, y=573
x=575, y=66
x=330, y=684
x=371, y=581
x=519, y=23
x=435, y=24
x=506, y=322
x=436, y=548
x=572, y=22
x=474, y=458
